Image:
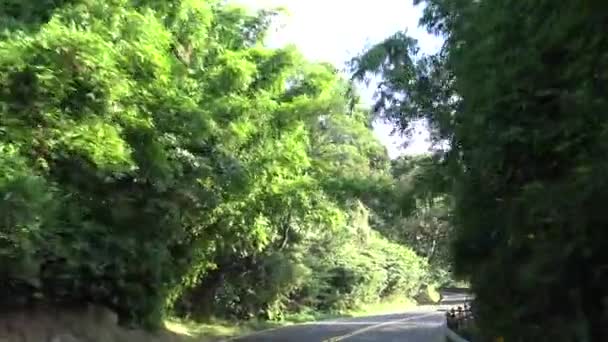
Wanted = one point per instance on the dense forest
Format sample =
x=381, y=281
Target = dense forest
x=158, y=159
x=514, y=101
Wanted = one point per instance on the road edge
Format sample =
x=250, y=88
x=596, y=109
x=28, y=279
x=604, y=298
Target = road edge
x=376, y=326
x=254, y=333
x=452, y=336
x=423, y=311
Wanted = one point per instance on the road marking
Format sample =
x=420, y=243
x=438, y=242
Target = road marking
x=255, y=333
x=366, y=329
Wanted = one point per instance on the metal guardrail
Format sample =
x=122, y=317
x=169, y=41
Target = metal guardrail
x=457, y=318
x=452, y=336
x=459, y=314
x=461, y=317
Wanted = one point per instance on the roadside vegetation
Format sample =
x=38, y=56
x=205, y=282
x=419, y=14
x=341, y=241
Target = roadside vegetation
x=214, y=329
x=516, y=103
x=158, y=160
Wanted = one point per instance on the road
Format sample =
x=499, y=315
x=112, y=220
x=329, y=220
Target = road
x=417, y=325
x=422, y=326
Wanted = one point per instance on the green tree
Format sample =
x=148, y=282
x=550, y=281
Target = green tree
x=517, y=93
x=310, y=203
x=134, y=138
x=417, y=210
x=155, y=156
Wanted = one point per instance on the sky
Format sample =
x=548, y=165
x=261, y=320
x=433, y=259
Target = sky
x=337, y=30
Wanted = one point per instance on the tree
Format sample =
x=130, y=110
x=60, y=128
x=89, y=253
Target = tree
x=418, y=214
x=156, y=157
x=312, y=200
x=516, y=91
x=139, y=131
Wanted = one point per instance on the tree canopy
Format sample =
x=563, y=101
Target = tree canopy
x=517, y=93
x=156, y=157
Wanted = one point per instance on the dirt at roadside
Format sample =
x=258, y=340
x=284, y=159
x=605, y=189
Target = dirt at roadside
x=89, y=324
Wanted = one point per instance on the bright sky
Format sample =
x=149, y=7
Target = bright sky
x=337, y=30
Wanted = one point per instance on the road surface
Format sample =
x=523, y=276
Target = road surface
x=421, y=326
x=418, y=325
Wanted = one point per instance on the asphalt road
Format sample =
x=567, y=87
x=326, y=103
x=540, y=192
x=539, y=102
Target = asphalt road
x=418, y=325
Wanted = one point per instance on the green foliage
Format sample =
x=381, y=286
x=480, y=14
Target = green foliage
x=320, y=252
x=517, y=92
x=332, y=272
x=27, y=14
x=155, y=156
x=360, y=267
x=420, y=215
x=125, y=162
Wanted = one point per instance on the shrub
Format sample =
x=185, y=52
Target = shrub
x=111, y=170
x=362, y=273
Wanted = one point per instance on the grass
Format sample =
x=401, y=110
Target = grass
x=393, y=305
x=191, y=331
x=217, y=329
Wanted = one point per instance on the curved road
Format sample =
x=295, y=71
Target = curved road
x=419, y=325
x=423, y=326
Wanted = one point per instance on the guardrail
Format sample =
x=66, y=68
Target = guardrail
x=452, y=336
x=458, y=318
x=456, y=302
x=461, y=318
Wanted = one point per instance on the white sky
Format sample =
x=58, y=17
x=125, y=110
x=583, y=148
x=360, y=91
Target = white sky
x=337, y=30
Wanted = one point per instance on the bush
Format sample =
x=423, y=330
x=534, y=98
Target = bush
x=154, y=154
x=111, y=174
x=244, y=288
x=364, y=273
x=427, y=295
x=344, y=276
